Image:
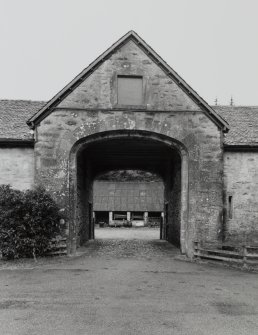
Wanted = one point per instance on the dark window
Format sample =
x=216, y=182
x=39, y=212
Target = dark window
x=137, y=215
x=101, y=218
x=120, y=216
x=129, y=90
x=230, y=207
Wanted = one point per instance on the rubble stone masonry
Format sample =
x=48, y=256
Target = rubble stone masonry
x=17, y=167
x=241, y=184
x=92, y=109
x=210, y=191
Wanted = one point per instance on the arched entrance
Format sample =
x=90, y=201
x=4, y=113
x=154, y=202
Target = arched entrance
x=128, y=149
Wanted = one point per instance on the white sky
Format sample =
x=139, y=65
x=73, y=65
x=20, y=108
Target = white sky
x=212, y=44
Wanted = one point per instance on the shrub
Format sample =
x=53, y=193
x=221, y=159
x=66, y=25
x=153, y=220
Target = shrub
x=28, y=221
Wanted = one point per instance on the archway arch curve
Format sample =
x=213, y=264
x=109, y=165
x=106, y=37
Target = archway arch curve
x=84, y=144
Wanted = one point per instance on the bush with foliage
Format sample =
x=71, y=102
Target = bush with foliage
x=28, y=221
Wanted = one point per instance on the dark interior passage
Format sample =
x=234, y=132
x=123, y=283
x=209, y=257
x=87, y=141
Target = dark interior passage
x=134, y=153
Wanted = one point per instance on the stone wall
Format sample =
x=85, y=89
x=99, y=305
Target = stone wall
x=168, y=115
x=17, y=167
x=241, y=183
x=99, y=90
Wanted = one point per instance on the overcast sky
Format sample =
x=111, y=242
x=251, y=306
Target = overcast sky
x=212, y=44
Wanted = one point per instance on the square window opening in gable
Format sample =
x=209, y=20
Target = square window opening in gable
x=130, y=90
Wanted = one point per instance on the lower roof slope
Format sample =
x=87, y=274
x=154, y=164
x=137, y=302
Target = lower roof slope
x=128, y=196
x=242, y=120
x=13, y=117
x=243, y=123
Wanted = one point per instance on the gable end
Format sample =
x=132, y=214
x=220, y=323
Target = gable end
x=131, y=35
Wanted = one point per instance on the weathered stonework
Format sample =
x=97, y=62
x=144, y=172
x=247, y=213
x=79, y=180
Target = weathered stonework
x=100, y=89
x=210, y=178
x=91, y=110
x=241, y=183
x=17, y=167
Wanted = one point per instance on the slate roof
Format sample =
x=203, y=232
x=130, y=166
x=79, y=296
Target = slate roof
x=128, y=196
x=13, y=117
x=242, y=120
x=243, y=123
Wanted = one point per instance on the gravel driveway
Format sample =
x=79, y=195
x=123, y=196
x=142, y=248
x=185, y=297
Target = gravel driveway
x=133, y=284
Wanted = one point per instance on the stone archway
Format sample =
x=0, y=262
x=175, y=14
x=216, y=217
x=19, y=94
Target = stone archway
x=129, y=149
x=166, y=114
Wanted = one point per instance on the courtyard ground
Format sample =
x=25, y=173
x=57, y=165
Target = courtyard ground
x=134, y=284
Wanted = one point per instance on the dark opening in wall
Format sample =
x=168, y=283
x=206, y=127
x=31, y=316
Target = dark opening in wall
x=154, y=219
x=137, y=216
x=230, y=207
x=119, y=216
x=125, y=151
x=102, y=218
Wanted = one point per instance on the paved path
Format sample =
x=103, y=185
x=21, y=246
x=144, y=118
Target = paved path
x=126, y=286
x=140, y=233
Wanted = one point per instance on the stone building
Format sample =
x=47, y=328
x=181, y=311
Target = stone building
x=126, y=203
x=131, y=110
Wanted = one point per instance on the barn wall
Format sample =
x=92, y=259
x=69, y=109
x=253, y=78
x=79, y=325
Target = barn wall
x=17, y=167
x=57, y=135
x=241, y=183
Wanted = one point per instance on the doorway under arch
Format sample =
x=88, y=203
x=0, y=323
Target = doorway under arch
x=135, y=150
